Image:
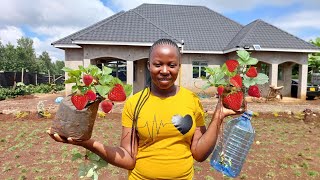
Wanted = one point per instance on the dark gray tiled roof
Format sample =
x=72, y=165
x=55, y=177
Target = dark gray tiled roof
x=127, y=27
x=200, y=28
x=68, y=39
x=267, y=36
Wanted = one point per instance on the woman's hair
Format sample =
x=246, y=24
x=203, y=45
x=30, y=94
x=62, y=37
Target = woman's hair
x=164, y=42
x=145, y=96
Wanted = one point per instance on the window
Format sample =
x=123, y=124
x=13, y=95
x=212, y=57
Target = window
x=280, y=72
x=119, y=68
x=198, y=69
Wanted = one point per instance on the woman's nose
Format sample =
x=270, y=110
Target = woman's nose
x=164, y=70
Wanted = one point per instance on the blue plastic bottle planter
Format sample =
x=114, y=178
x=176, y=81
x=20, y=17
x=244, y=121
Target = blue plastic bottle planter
x=232, y=149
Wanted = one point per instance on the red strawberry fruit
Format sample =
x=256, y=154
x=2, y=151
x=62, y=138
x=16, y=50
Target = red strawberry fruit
x=220, y=89
x=233, y=100
x=87, y=79
x=252, y=72
x=117, y=93
x=91, y=95
x=232, y=64
x=254, y=91
x=79, y=101
x=106, y=106
x=236, y=81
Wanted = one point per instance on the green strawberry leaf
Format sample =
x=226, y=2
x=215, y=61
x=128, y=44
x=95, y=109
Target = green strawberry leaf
x=66, y=69
x=261, y=78
x=106, y=70
x=252, y=61
x=71, y=80
x=93, y=156
x=243, y=55
x=74, y=88
x=102, y=89
x=206, y=86
x=247, y=81
x=106, y=79
x=212, y=71
x=76, y=156
x=128, y=89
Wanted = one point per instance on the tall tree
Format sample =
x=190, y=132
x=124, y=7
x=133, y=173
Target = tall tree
x=58, y=65
x=9, y=59
x=314, y=58
x=26, y=53
x=44, y=63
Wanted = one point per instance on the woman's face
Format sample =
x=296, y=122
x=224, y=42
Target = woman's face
x=164, y=66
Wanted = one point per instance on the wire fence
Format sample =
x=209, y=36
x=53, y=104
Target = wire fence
x=8, y=79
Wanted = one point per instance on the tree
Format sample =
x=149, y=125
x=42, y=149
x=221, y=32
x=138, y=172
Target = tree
x=44, y=63
x=26, y=54
x=9, y=56
x=58, y=65
x=314, y=58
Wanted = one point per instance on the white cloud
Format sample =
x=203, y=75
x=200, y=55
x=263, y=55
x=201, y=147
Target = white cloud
x=216, y=5
x=49, y=20
x=10, y=34
x=299, y=20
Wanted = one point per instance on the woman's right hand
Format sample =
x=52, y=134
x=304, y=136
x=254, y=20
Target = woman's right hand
x=69, y=140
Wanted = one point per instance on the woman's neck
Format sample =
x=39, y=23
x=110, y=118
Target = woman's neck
x=164, y=92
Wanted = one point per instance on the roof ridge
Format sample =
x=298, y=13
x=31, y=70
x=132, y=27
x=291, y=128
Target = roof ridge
x=171, y=5
x=250, y=29
x=156, y=26
x=239, y=33
x=105, y=19
x=111, y=19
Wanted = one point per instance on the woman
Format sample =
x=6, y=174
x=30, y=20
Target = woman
x=163, y=127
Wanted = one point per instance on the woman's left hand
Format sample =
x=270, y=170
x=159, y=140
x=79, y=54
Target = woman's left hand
x=227, y=112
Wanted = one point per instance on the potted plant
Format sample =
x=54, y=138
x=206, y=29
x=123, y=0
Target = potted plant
x=92, y=87
x=236, y=78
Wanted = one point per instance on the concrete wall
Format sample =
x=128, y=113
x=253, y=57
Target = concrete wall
x=90, y=53
x=195, y=84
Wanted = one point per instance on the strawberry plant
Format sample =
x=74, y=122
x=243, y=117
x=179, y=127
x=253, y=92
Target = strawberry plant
x=91, y=83
x=235, y=78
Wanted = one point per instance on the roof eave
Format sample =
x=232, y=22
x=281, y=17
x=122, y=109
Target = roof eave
x=66, y=46
x=275, y=50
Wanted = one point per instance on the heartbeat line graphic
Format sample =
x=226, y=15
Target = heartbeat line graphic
x=154, y=131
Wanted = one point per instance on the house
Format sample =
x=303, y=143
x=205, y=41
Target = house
x=206, y=38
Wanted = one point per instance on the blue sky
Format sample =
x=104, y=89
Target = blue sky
x=46, y=21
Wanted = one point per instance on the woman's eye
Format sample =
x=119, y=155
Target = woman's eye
x=172, y=65
x=157, y=65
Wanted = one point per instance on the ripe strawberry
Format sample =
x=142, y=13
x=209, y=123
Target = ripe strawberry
x=87, y=79
x=220, y=89
x=91, y=95
x=236, y=81
x=254, y=91
x=117, y=93
x=252, y=72
x=233, y=100
x=232, y=64
x=79, y=101
x=106, y=106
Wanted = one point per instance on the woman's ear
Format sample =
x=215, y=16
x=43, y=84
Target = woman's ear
x=148, y=65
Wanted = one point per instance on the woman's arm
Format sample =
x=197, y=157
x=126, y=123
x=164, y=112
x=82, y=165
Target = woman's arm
x=123, y=156
x=204, y=139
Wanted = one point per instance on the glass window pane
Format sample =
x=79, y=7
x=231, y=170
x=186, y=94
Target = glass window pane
x=195, y=71
x=195, y=63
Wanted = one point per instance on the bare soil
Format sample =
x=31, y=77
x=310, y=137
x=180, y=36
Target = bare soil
x=286, y=144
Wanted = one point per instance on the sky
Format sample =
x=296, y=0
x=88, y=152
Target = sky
x=45, y=21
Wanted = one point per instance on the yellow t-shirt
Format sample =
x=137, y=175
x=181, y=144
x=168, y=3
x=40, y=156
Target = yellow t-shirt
x=165, y=128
